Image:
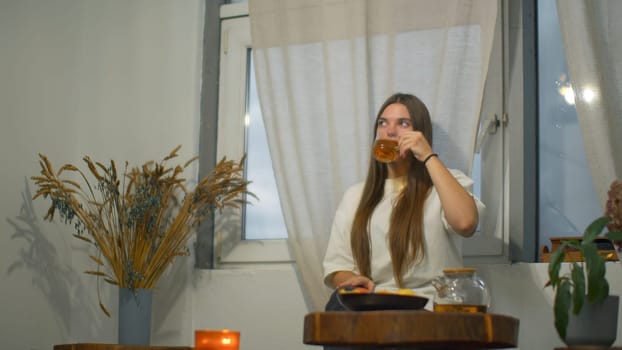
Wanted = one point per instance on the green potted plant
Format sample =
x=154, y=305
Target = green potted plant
x=586, y=281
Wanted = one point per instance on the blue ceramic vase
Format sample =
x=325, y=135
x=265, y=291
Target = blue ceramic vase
x=135, y=316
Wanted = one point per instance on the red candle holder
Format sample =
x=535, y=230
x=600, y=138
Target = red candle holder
x=216, y=339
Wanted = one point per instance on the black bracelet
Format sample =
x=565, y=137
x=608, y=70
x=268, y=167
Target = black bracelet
x=428, y=157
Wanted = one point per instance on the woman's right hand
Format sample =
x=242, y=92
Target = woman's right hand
x=343, y=279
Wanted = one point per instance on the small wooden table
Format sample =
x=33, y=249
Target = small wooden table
x=411, y=328
x=91, y=346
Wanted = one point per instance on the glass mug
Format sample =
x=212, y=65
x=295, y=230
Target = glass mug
x=386, y=150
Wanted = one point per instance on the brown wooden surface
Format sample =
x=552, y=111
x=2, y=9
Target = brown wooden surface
x=91, y=346
x=418, y=328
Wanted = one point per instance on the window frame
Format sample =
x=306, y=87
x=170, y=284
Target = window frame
x=493, y=136
x=512, y=243
x=230, y=249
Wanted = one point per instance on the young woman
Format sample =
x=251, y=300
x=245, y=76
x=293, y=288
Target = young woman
x=404, y=224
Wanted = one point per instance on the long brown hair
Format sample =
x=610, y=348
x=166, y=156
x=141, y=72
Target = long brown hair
x=405, y=236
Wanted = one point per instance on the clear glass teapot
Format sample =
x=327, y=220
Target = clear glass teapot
x=460, y=289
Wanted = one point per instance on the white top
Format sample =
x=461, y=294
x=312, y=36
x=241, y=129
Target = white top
x=443, y=246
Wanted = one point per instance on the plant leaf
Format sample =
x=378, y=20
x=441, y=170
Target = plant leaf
x=104, y=309
x=573, y=244
x=594, y=229
x=597, y=286
x=578, y=290
x=108, y=280
x=614, y=236
x=602, y=291
x=557, y=257
x=86, y=239
x=96, y=273
x=561, y=307
x=97, y=260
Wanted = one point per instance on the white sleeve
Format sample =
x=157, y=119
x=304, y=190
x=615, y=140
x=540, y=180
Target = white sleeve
x=467, y=184
x=339, y=252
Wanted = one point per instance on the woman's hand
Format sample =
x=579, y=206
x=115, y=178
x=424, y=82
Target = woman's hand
x=343, y=279
x=416, y=143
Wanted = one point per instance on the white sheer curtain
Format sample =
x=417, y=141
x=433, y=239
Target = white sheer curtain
x=324, y=67
x=592, y=35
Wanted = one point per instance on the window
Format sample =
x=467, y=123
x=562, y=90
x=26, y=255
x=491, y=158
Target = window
x=491, y=242
x=258, y=233
x=239, y=125
x=525, y=140
x=566, y=197
x=264, y=219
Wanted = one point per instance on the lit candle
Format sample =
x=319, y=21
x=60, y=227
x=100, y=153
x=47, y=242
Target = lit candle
x=222, y=339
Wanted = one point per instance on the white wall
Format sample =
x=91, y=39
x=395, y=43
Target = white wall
x=120, y=79
x=112, y=79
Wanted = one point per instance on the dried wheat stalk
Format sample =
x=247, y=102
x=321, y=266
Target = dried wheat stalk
x=140, y=222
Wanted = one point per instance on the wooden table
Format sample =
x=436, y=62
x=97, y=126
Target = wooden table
x=411, y=328
x=90, y=346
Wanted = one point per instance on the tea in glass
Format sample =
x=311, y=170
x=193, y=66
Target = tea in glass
x=386, y=150
x=459, y=308
x=460, y=289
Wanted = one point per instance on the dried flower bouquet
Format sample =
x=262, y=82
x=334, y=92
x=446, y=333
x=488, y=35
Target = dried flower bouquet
x=140, y=221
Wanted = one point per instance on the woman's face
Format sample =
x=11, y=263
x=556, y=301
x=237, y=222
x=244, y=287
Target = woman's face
x=393, y=121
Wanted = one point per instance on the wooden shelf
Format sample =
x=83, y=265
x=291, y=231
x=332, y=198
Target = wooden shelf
x=606, y=250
